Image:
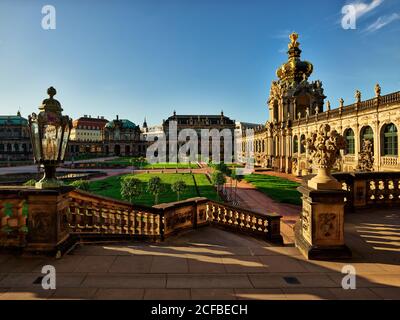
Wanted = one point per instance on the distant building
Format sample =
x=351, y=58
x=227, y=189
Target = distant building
x=15, y=142
x=121, y=137
x=148, y=136
x=243, y=139
x=87, y=128
x=197, y=123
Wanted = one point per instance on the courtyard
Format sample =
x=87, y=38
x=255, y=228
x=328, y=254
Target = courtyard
x=209, y=263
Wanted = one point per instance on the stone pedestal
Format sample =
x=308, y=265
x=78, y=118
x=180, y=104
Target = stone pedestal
x=47, y=221
x=42, y=219
x=319, y=233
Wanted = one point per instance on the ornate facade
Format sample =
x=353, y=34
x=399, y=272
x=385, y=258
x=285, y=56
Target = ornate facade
x=15, y=143
x=121, y=138
x=296, y=108
x=220, y=123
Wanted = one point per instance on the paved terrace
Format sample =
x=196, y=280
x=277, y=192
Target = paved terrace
x=209, y=263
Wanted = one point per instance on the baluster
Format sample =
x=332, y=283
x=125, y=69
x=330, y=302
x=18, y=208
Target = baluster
x=157, y=225
x=241, y=219
x=224, y=215
x=253, y=223
x=139, y=222
x=248, y=220
x=132, y=224
x=235, y=219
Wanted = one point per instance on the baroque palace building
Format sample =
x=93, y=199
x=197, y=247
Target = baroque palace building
x=87, y=135
x=15, y=142
x=296, y=109
x=217, y=123
x=121, y=138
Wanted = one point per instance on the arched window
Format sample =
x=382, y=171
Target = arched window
x=1, y=147
x=9, y=148
x=295, y=144
x=350, y=146
x=390, y=141
x=302, y=146
x=16, y=147
x=367, y=134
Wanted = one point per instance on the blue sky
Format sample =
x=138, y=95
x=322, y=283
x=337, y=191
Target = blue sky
x=146, y=58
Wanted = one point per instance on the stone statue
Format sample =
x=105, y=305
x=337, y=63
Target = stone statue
x=307, y=112
x=366, y=157
x=358, y=96
x=377, y=90
x=323, y=147
x=316, y=110
x=299, y=115
x=328, y=105
x=341, y=103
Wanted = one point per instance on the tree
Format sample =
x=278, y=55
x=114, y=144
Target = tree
x=83, y=185
x=221, y=166
x=130, y=188
x=179, y=186
x=218, y=179
x=154, y=186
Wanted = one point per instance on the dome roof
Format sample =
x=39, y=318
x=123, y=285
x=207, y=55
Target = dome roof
x=123, y=123
x=294, y=70
x=13, y=120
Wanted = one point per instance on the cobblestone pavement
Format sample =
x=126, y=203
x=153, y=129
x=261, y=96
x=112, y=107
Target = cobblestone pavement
x=209, y=263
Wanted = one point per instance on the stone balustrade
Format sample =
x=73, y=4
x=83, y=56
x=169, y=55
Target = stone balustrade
x=52, y=220
x=242, y=220
x=390, y=161
x=92, y=216
x=371, y=189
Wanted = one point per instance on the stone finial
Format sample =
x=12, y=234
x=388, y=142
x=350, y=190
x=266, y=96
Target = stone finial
x=323, y=147
x=293, y=40
x=328, y=105
x=341, y=103
x=357, y=95
x=51, y=92
x=377, y=90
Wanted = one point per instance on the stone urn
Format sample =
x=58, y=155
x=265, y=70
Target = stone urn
x=323, y=147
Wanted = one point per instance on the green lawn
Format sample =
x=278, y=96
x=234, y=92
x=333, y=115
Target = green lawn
x=126, y=161
x=279, y=189
x=110, y=187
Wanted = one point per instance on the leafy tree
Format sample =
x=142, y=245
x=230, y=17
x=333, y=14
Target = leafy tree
x=30, y=182
x=130, y=188
x=179, y=186
x=138, y=162
x=218, y=179
x=83, y=185
x=154, y=186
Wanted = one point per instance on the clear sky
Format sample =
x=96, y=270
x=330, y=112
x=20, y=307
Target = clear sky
x=138, y=58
